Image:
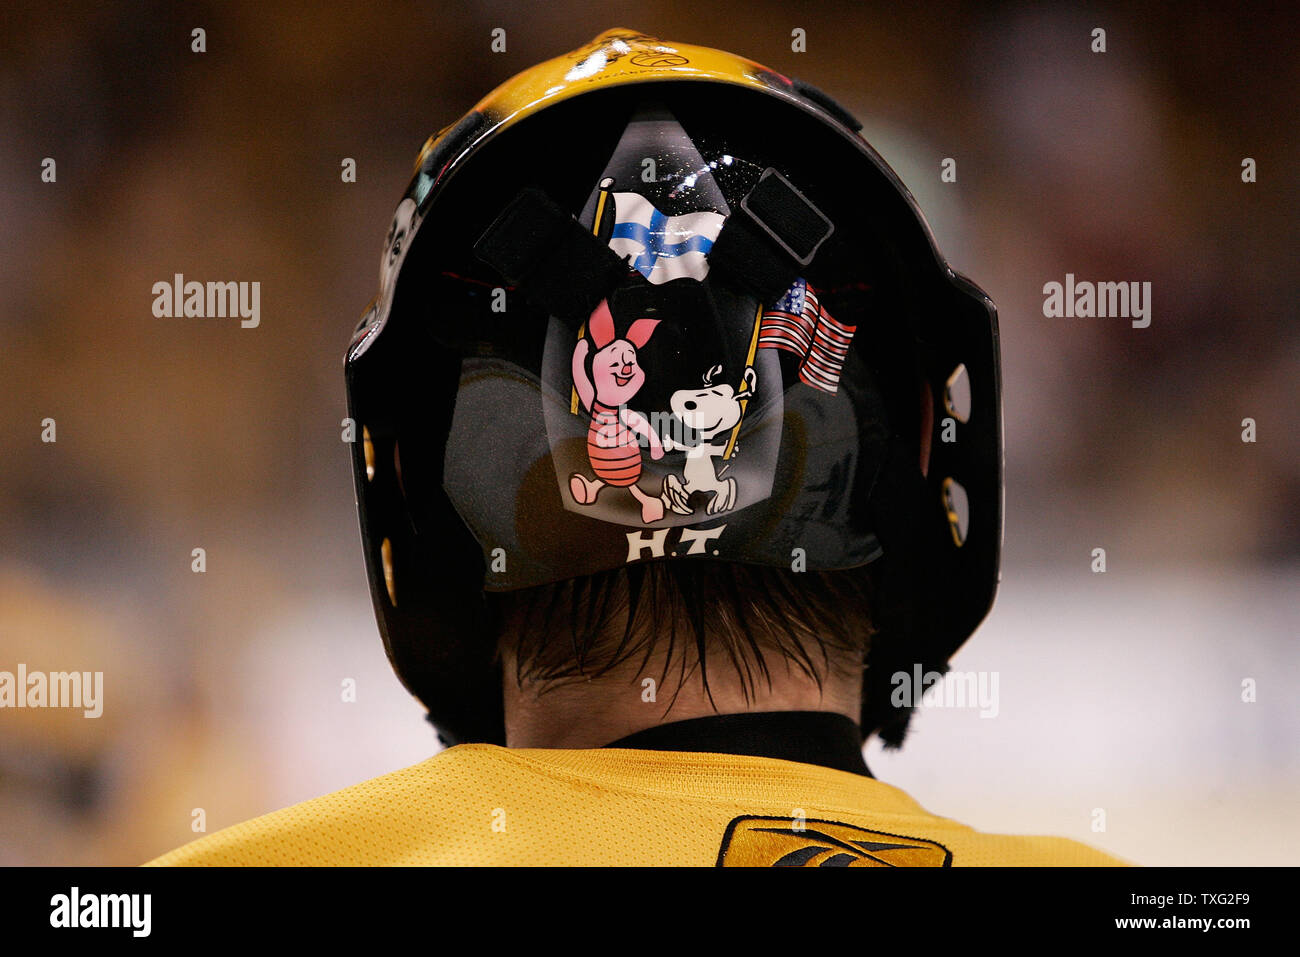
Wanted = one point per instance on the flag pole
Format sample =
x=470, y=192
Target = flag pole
x=742, y=390
x=606, y=185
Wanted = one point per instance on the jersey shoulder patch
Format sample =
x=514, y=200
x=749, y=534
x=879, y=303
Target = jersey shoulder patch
x=752, y=841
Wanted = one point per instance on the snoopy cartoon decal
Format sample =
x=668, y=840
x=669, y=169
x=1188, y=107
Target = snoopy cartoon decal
x=709, y=416
x=613, y=447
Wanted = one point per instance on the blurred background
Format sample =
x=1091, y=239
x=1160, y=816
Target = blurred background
x=1120, y=692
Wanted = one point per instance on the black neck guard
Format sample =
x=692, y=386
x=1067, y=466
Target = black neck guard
x=809, y=737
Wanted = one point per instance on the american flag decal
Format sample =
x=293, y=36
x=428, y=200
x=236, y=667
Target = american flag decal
x=797, y=323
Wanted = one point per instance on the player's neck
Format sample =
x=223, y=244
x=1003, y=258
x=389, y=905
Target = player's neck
x=592, y=713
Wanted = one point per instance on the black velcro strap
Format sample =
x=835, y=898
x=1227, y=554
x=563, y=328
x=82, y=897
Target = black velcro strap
x=771, y=239
x=678, y=299
x=787, y=216
x=537, y=246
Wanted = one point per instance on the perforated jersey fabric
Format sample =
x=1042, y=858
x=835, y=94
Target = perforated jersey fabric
x=483, y=805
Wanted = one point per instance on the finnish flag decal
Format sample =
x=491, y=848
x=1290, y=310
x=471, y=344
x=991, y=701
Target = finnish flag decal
x=662, y=247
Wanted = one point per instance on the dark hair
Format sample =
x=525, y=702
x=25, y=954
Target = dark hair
x=695, y=613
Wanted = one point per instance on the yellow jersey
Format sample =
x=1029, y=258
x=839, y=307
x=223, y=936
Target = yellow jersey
x=480, y=804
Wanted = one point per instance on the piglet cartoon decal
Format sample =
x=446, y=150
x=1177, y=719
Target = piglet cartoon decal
x=615, y=431
x=709, y=414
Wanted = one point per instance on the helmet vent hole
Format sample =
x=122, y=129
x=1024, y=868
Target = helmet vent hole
x=368, y=448
x=957, y=506
x=386, y=552
x=956, y=394
x=397, y=468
